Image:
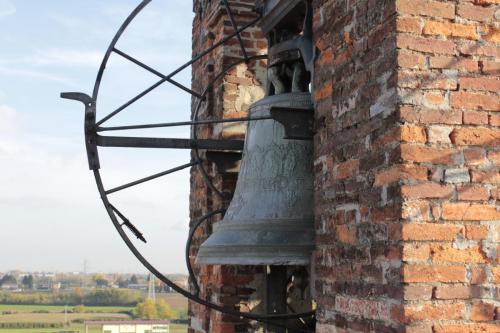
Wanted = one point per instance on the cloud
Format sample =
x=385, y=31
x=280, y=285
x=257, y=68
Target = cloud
x=8, y=119
x=7, y=8
x=31, y=74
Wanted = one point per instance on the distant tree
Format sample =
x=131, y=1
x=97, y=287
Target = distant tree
x=122, y=283
x=146, y=310
x=8, y=279
x=100, y=280
x=27, y=281
x=134, y=280
x=164, y=310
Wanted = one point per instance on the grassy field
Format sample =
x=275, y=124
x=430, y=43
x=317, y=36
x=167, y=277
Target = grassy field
x=55, y=314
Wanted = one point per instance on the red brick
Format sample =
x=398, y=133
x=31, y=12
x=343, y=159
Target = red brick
x=442, y=311
x=466, y=328
x=462, y=64
x=491, y=67
x=480, y=83
x=494, y=120
x=433, y=155
x=476, y=49
x=467, y=100
x=412, y=133
x=429, y=45
x=482, y=311
x=417, y=251
x=410, y=60
x=486, y=177
x=400, y=172
x=433, y=273
x=409, y=24
x=478, y=276
x=427, y=191
x=347, y=169
x=491, y=34
x=475, y=156
x=417, y=293
x=447, y=253
x=452, y=292
x=346, y=234
x=476, y=136
x=426, y=8
x=428, y=116
x=430, y=232
x=473, y=193
x=476, y=13
x=470, y=212
x=494, y=157
x=450, y=29
x=476, y=118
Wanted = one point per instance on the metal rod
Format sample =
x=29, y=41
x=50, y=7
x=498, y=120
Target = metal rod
x=182, y=123
x=130, y=102
x=155, y=72
x=147, y=179
x=235, y=26
x=140, y=142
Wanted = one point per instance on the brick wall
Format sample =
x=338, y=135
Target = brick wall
x=232, y=286
x=407, y=166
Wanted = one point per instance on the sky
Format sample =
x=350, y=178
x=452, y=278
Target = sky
x=51, y=216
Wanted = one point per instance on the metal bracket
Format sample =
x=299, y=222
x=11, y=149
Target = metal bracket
x=90, y=133
x=226, y=162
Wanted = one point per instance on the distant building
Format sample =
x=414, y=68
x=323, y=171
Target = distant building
x=10, y=287
x=132, y=326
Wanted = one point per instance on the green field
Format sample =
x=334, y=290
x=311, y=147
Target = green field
x=55, y=314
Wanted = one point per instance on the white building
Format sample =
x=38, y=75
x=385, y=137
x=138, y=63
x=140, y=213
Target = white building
x=134, y=326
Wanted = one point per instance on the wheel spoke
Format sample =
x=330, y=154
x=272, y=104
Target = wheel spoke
x=183, y=123
x=155, y=72
x=147, y=179
x=141, y=142
x=132, y=101
x=235, y=27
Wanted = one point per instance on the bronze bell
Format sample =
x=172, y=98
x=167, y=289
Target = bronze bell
x=270, y=218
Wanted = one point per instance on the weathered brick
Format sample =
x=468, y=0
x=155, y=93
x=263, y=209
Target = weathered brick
x=427, y=191
x=457, y=176
x=480, y=83
x=430, y=231
x=433, y=273
x=400, y=172
x=452, y=292
x=428, y=116
x=466, y=328
x=462, y=64
x=347, y=169
x=482, y=311
x=491, y=34
x=467, y=100
x=410, y=60
x=478, y=275
x=470, y=212
x=428, y=45
x=472, y=193
x=416, y=252
x=476, y=118
x=444, y=311
x=475, y=136
x=426, y=8
x=439, y=134
x=414, y=153
x=491, y=67
x=486, y=177
x=474, y=156
x=417, y=293
x=450, y=29
x=447, y=253
x=475, y=13
x=409, y=24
